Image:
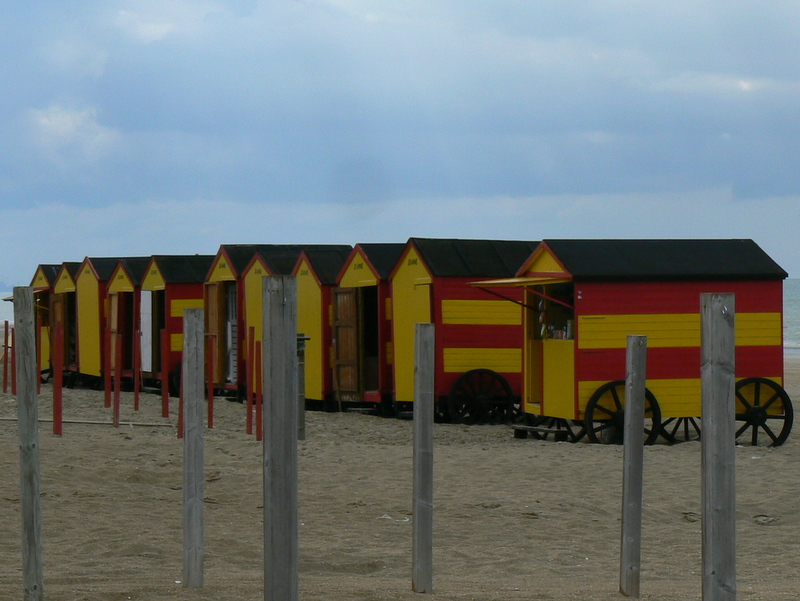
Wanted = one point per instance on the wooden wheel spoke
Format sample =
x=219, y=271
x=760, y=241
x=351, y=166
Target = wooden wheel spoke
x=743, y=400
x=615, y=396
x=771, y=400
x=610, y=413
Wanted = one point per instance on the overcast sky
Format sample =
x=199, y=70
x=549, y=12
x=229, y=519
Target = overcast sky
x=171, y=126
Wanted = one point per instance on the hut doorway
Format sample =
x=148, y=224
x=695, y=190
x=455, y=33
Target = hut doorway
x=356, y=343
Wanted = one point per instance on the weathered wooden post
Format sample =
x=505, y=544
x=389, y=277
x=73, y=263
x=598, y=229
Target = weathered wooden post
x=301, y=386
x=28, y=423
x=633, y=462
x=210, y=377
x=280, y=438
x=193, y=464
x=58, y=378
x=718, y=444
x=422, y=541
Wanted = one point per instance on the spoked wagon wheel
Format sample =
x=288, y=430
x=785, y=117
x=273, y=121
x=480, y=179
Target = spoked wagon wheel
x=762, y=405
x=481, y=396
x=605, y=415
x=681, y=429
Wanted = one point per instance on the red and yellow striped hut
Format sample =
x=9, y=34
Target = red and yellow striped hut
x=362, y=326
x=284, y=259
x=172, y=283
x=478, y=352
x=584, y=297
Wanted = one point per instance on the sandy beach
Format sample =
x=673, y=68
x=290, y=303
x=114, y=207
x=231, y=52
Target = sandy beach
x=514, y=519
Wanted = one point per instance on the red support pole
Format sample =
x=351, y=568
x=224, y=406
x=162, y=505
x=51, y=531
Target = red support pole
x=5, y=359
x=259, y=393
x=38, y=354
x=137, y=367
x=107, y=366
x=251, y=340
x=117, y=375
x=211, y=339
x=13, y=363
x=164, y=374
x=57, y=352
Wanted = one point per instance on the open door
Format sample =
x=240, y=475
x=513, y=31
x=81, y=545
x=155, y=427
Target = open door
x=345, y=345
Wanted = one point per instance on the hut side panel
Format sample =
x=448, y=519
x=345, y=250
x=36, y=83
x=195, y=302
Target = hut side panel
x=411, y=304
x=313, y=322
x=90, y=317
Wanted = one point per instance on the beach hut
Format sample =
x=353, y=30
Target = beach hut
x=124, y=297
x=362, y=326
x=282, y=259
x=172, y=283
x=316, y=271
x=478, y=354
x=582, y=299
x=42, y=283
x=63, y=310
x=93, y=311
x=233, y=303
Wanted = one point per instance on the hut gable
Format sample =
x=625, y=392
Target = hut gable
x=65, y=280
x=230, y=262
x=45, y=276
x=128, y=274
x=473, y=258
x=640, y=260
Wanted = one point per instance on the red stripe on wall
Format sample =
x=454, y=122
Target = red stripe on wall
x=478, y=336
x=621, y=298
x=678, y=363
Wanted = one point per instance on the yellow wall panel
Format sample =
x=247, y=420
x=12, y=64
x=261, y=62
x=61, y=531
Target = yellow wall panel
x=88, y=316
x=544, y=261
x=672, y=329
x=176, y=342
x=309, y=322
x=412, y=304
x=460, y=360
x=558, y=394
x=120, y=282
x=65, y=283
x=481, y=312
x=178, y=306
x=253, y=303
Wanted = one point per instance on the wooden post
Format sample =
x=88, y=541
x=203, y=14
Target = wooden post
x=279, y=341
x=58, y=377
x=137, y=367
x=117, y=375
x=107, y=354
x=5, y=358
x=38, y=352
x=27, y=416
x=164, y=374
x=210, y=367
x=422, y=543
x=193, y=465
x=13, y=362
x=633, y=461
x=301, y=386
x=259, y=400
x=250, y=369
x=718, y=446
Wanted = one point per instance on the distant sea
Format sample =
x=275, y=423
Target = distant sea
x=791, y=315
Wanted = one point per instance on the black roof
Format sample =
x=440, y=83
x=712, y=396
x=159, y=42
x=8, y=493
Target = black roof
x=383, y=255
x=183, y=269
x=105, y=266
x=473, y=258
x=279, y=258
x=328, y=262
x=665, y=259
x=136, y=268
x=72, y=268
x=239, y=255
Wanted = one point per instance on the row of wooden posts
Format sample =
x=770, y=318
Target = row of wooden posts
x=281, y=427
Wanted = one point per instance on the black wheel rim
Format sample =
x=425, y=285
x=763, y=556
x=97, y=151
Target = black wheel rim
x=481, y=396
x=764, y=412
x=605, y=415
